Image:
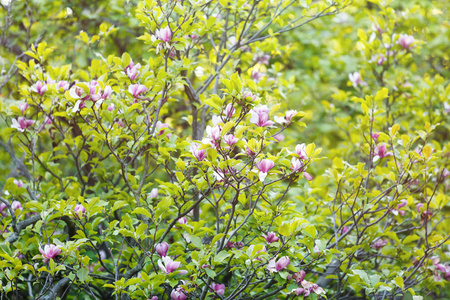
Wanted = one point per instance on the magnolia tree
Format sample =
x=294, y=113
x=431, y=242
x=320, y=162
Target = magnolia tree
x=166, y=175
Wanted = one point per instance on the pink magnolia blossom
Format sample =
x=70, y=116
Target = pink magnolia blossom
x=296, y=164
x=249, y=96
x=287, y=118
x=154, y=298
x=271, y=237
x=445, y=173
x=132, y=70
x=380, y=243
x=49, y=252
x=375, y=136
x=344, y=229
x=2, y=208
x=299, y=276
x=154, y=193
x=301, y=151
x=111, y=107
x=264, y=167
x=406, y=41
x=19, y=183
x=356, y=79
x=198, y=154
x=164, y=34
x=178, y=294
x=262, y=59
x=257, y=76
x=311, y=287
x=182, y=220
x=160, y=128
x=120, y=123
x=381, y=152
x=23, y=107
x=281, y=264
x=162, y=249
x=403, y=203
x=279, y=137
x=218, y=288
x=63, y=85
x=230, y=139
x=419, y=207
x=79, y=210
x=136, y=90
x=15, y=205
x=40, y=88
x=167, y=265
x=308, y=176
x=260, y=116
x=378, y=58
x=106, y=92
x=21, y=123
x=229, y=110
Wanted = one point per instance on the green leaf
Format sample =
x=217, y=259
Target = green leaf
x=82, y=274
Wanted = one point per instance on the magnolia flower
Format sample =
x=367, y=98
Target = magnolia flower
x=375, y=136
x=198, y=154
x=218, y=288
x=311, y=287
x=378, y=58
x=182, y=220
x=264, y=167
x=406, y=41
x=344, y=229
x=132, y=70
x=262, y=59
x=2, y=208
x=419, y=207
x=154, y=193
x=279, y=137
x=213, y=134
x=136, y=90
x=356, y=79
x=111, y=107
x=162, y=249
x=229, y=110
x=40, y=88
x=296, y=164
x=23, y=107
x=299, y=276
x=164, y=34
x=287, y=118
x=49, y=252
x=63, y=85
x=247, y=95
x=230, y=139
x=380, y=243
x=15, y=205
x=281, y=264
x=446, y=107
x=19, y=183
x=381, y=152
x=199, y=71
x=167, y=265
x=301, y=151
x=21, y=123
x=178, y=294
x=271, y=237
x=106, y=92
x=79, y=210
x=257, y=76
x=260, y=116
x=160, y=128
x=154, y=298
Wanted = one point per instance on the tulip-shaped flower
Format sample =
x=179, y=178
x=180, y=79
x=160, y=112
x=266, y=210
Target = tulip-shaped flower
x=162, y=249
x=271, y=237
x=167, y=265
x=23, y=107
x=230, y=139
x=111, y=107
x=287, y=118
x=182, y=220
x=218, y=288
x=381, y=152
x=406, y=41
x=356, y=79
x=249, y=96
x=154, y=193
x=164, y=34
x=264, y=167
x=299, y=276
x=260, y=116
x=19, y=183
x=178, y=294
x=15, y=205
x=79, y=210
x=132, y=70
x=49, y=252
x=136, y=90
x=281, y=264
x=198, y=154
x=21, y=123
x=301, y=151
x=229, y=110
x=63, y=85
x=40, y=88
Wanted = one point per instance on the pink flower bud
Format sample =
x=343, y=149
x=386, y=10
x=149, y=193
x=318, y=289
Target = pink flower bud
x=406, y=41
x=198, y=154
x=301, y=151
x=79, y=210
x=111, y=107
x=271, y=237
x=218, y=288
x=15, y=205
x=229, y=111
x=182, y=220
x=178, y=294
x=281, y=264
x=49, y=252
x=154, y=193
x=40, y=88
x=380, y=243
x=264, y=167
x=23, y=107
x=249, y=96
x=167, y=265
x=356, y=79
x=136, y=90
x=162, y=249
x=164, y=34
x=19, y=183
x=230, y=139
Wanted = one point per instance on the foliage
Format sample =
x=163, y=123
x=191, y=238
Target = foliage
x=160, y=150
